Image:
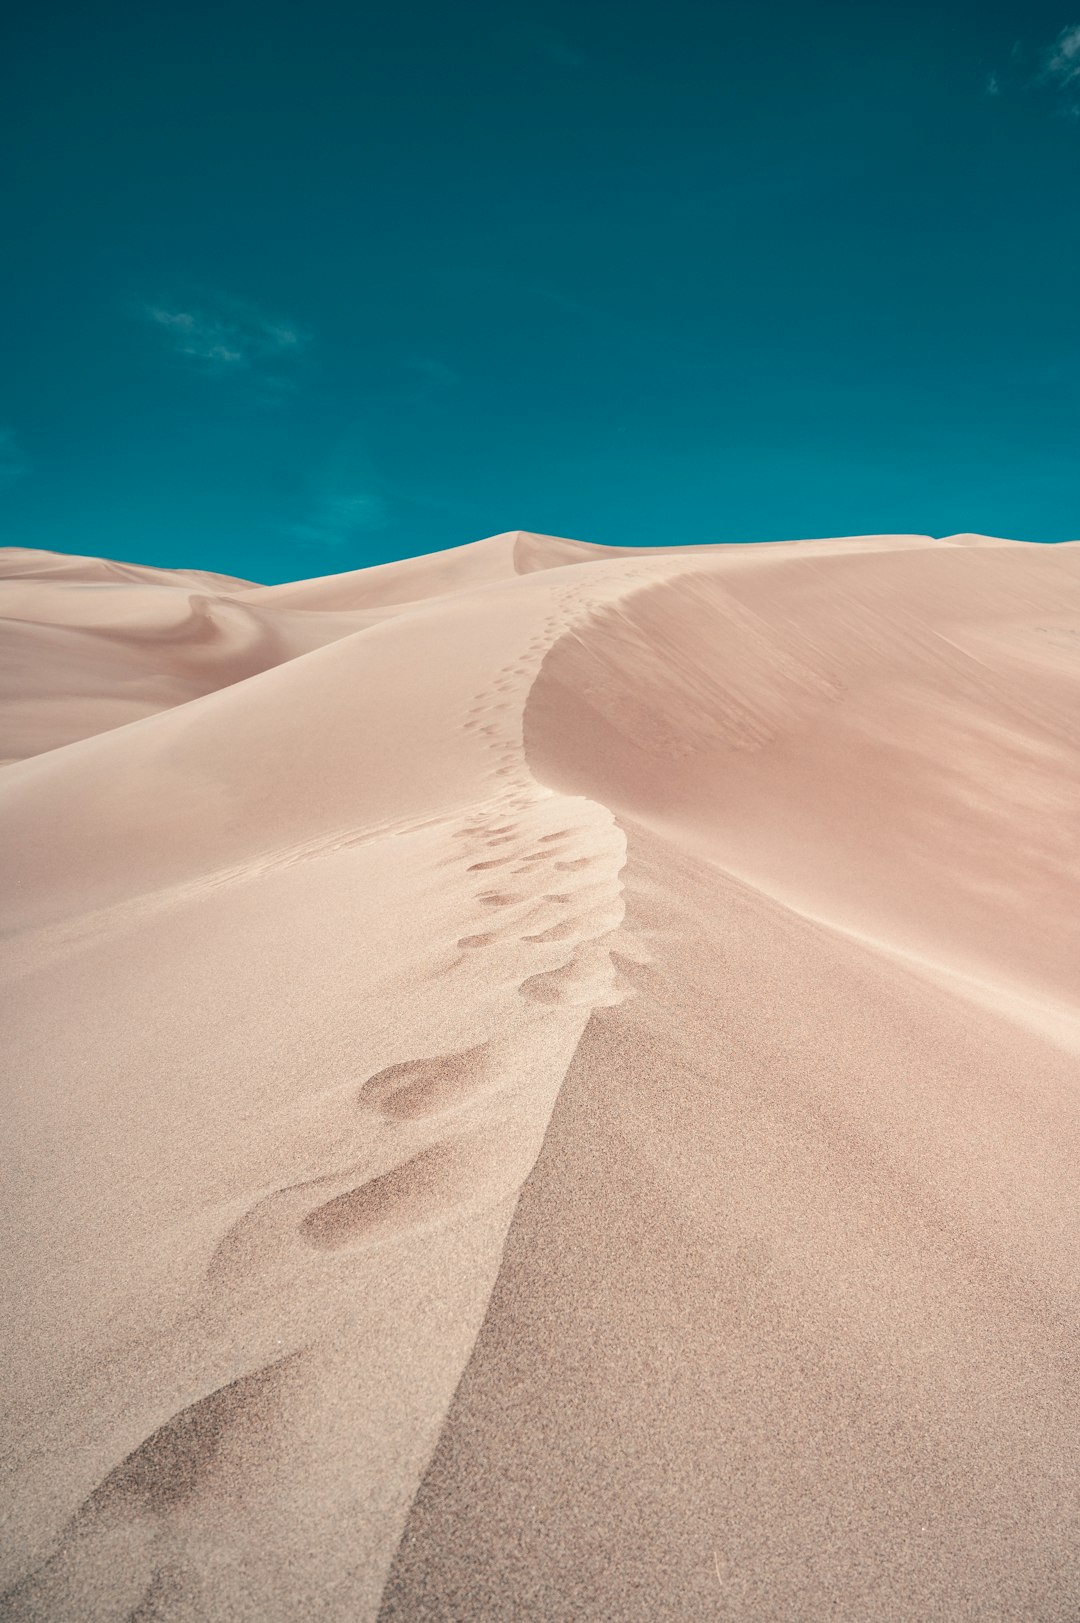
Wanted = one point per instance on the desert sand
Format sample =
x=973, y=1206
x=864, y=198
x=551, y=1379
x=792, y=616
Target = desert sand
x=543, y=1082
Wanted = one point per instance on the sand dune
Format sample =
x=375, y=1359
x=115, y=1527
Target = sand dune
x=87, y=645
x=542, y=1082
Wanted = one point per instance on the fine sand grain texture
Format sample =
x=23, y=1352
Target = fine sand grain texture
x=543, y=1082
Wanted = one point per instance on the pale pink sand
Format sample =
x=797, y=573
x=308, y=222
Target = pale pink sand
x=542, y=1082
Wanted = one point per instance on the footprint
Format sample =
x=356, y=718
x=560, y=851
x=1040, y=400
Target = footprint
x=427, y=1087
x=558, y=932
x=639, y=975
x=499, y=898
x=572, y=867
x=496, y=862
x=174, y=1462
x=429, y=1187
x=483, y=940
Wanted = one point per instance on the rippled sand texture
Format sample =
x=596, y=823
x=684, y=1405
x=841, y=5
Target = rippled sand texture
x=544, y=1082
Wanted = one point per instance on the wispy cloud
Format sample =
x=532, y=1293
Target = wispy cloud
x=1062, y=60
x=1053, y=69
x=219, y=335
x=12, y=463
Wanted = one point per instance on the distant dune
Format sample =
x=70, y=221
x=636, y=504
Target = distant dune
x=543, y=1082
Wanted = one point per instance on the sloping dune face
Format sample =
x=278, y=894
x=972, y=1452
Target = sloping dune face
x=887, y=744
x=86, y=645
x=542, y=1082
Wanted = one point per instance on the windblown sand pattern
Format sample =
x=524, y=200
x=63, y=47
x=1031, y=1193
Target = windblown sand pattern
x=542, y=1083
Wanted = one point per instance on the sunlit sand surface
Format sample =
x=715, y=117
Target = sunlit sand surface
x=543, y=1082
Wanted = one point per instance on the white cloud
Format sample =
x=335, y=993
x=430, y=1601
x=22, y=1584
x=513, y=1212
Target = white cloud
x=12, y=465
x=1062, y=61
x=1053, y=69
x=220, y=335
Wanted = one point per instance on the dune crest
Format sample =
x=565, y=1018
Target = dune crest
x=542, y=1083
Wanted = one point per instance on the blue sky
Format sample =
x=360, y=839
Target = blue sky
x=288, y=290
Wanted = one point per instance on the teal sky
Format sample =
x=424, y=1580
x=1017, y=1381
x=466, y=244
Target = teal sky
x=292, y=289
